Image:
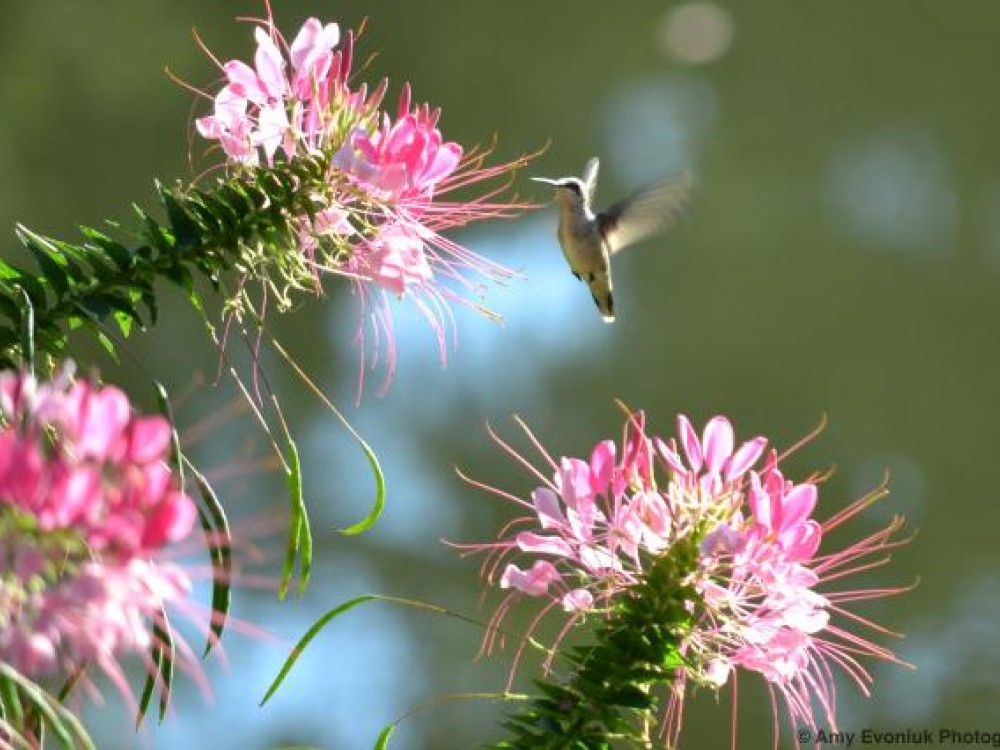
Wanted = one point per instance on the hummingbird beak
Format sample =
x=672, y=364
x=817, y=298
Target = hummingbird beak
x=544, y=180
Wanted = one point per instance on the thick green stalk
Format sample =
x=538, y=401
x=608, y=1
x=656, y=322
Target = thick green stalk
x=246, y=222
x=610, y=699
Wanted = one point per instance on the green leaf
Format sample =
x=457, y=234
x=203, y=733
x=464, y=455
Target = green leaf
x=219, y=539
x=124, y=323
x=368, y=521
x=107, y=343
x=214, y=524
x=66, y=727
x=7, y=271
x=379, y=504
x=56, y=268
x=299, y=544
x=28, y=332
x=305, y=640
x=382, y=741
x=164, y=633
x=34, y=286
x=162, y=656
x=115, y=250
x=10, y=703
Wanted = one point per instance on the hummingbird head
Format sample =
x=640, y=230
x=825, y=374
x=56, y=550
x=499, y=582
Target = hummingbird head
x=568, y=189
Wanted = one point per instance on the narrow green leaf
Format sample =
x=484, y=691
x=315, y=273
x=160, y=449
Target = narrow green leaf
x=27, y=332
x=299, y=534
x=382, y=741
x=107, y=343
x=10, y=703
x=300, y=647
x=53, y=263
x=184, y=228
x=214, y=524
x=373, y=515
x=162, y=654
x=115, y=250
x=53, y=273
x=219, y=539
x=146, y=696
x=7, y=271
x=379, y=505
x=33, y=285
x=57, y=717
x=163, y=631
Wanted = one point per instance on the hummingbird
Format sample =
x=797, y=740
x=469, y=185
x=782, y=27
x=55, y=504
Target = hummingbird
x=589, y=239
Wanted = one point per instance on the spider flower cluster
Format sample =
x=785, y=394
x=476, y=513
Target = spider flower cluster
x=375, y=214
x=88, y=503
x=756, y=597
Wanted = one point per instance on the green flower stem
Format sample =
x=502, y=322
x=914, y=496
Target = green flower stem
x=246, y=222
x=610, y=700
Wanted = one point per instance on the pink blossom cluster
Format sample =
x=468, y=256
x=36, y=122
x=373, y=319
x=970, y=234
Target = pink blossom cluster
x=593, y=528
x=87, y=501
x=601, y=520
x=378, y=218
x=267, y=106
x=758, y=585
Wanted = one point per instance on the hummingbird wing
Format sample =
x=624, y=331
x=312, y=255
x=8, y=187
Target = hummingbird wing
x=590, y=176
x=648, y=210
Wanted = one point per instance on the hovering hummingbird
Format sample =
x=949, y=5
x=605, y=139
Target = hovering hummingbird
x=588, y=240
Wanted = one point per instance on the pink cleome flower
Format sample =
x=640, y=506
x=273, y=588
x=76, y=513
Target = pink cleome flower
x=379, y=217
x=87, y=505
x=593, y=528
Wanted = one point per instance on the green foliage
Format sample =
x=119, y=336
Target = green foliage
x=610, y=698
x=300, y=541
x=160, y=678
x=246, y=222
x=24, y=704
x=214, y=525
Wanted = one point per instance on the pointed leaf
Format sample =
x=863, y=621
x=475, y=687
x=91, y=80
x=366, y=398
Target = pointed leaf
x=305, y=640
x=379, y=504
x=299, y=534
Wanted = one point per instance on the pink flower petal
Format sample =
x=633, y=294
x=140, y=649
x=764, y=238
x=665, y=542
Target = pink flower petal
x=534, y=582
x=103, y=416
x=717, y=443
x=577, y=600
x=547, y=506
x=689, y=441
x=528, y=541
x=148, y=439
x=171, y=522
x=761, y=503
x=797, y=505
x=243, y=81
x=270, y=65
x=602, y=466
x=744, y=458
x=313, y=39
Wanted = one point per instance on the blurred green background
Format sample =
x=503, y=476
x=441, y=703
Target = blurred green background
x=841, y=257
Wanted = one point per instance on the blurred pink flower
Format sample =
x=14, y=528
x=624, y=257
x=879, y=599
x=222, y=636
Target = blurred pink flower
x=87, y=504
x=594, y=527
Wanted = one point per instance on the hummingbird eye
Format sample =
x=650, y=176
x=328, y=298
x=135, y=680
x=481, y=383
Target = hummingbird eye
x=572, y=185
